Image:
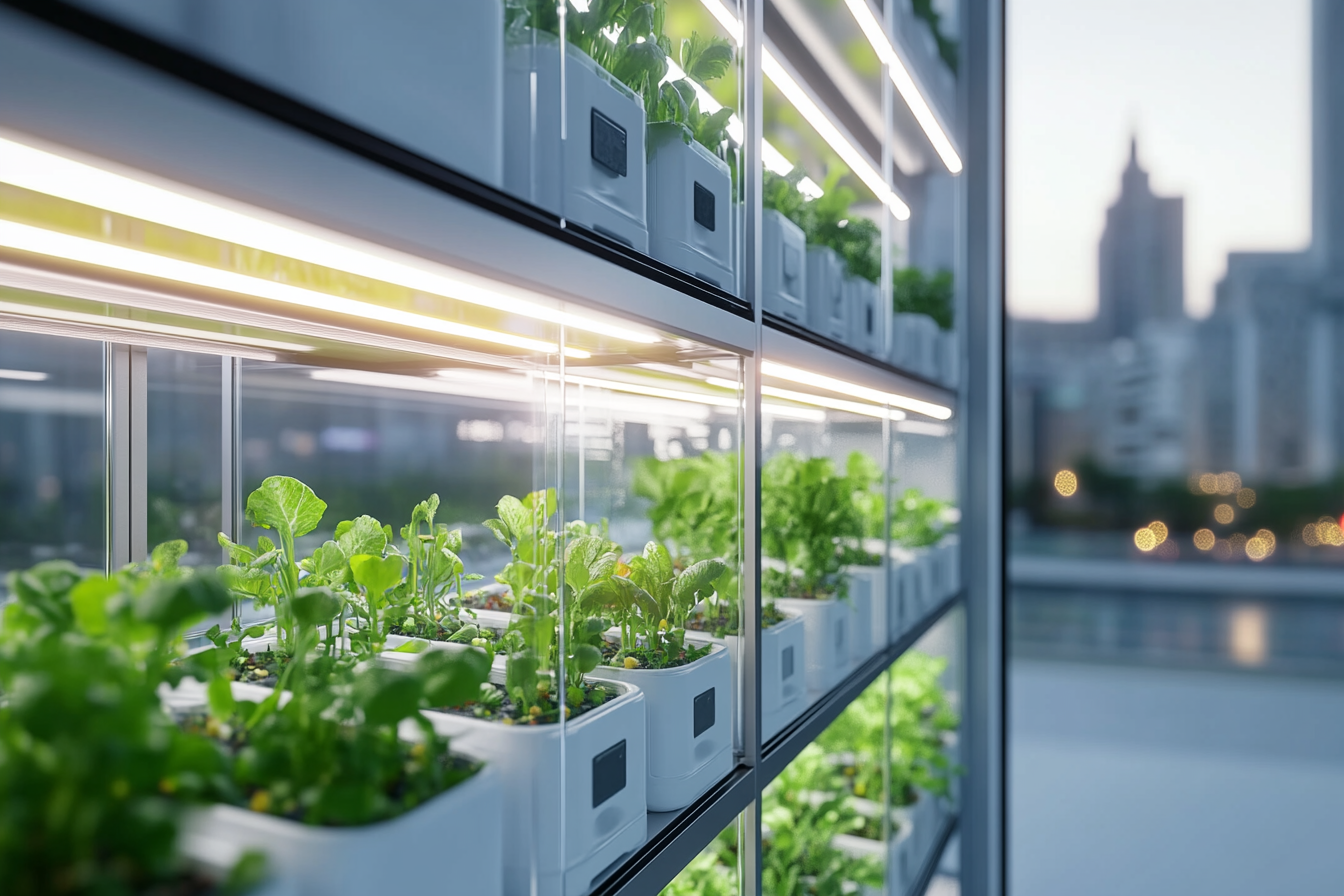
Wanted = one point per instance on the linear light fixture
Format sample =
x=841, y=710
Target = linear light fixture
x=60, y=245
x=831, y=384
x=819, y=118
x=881, y=412
x=717, y=401
x=905, y=84
x=27, y=376
x=46, y=172
x=145, y=326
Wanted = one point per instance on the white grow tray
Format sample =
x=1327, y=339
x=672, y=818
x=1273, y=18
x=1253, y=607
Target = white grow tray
x=863, y=313
x=426, y=75
x=690, y=731
x=462, y=828
x=826, y=632
x=595, y=177
x=868, y=589
x=601, y=768
x=690, y=206
x=783, y=675
x=826, y=311
x=783, y=267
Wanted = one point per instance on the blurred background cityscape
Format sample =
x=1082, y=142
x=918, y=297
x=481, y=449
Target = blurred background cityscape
x=1176, y=446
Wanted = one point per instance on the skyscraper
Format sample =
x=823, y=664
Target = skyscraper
x=1141, y=275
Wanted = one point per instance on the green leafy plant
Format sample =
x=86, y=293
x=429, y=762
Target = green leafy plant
x=802, y=811
x=625, y=37
x=811, y=522
x=828, y=221
x=435, y=576
x=713, y=872
x=95, y=774
x=918, y=521
x=915, y=292
x=703, y=59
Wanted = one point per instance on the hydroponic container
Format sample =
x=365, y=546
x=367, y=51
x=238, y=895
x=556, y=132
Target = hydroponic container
x=827, y=310
x=783, y=267
x=865, y=333
x=690, y=205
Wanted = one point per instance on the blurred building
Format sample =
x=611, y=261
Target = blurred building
x=1270, y=354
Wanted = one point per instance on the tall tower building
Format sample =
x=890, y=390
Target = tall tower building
x=1142, y=256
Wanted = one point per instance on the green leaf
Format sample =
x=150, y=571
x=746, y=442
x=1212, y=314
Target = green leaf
x=363, y=535
x=387, y=697
x=586, y=658
x=515, y=516
x=238, y=553
x=415, y=645
x=164, y=557
x=219, y=693
x=172, y=604
x=286, y=505
x=315, y=606
x=453, y=678
x=88, y=600
x=376, y=574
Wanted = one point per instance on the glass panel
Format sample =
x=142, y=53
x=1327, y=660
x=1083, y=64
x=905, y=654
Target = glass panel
x=53, y=451
x=184, y=466
x=714, y=871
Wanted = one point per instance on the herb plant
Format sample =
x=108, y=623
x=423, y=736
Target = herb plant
x=810, y=522
x=94, y=772
x=918, y=521
x=703, y=59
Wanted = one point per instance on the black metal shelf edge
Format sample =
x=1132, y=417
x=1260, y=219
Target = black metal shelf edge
x=288, y=111
x=932, y=860
x=798, y=331
x=666, y=853
x=783, y=747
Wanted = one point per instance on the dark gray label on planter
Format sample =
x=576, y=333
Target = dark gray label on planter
x=608, y=139
x=869, y=311
x=704, y=712
x=608, y=774
x=704, y=207
x=786, y=661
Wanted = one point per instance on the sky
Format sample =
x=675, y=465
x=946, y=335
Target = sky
x=1218, y=94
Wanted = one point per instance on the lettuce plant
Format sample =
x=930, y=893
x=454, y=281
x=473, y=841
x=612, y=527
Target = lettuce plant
x=811, y=522
x=95, y=774
x=703, y=59
x=918, y=521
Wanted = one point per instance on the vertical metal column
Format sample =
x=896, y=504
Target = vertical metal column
x=753, y=38
x=981, y=446
x=230, y=474
x=126, y=391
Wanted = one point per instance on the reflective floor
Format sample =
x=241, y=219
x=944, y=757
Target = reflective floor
x=1175, y=745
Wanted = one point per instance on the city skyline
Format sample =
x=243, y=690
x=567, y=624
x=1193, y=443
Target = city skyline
x=1151, y=63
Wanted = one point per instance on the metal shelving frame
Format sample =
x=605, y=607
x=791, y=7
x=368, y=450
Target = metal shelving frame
x=77, y=80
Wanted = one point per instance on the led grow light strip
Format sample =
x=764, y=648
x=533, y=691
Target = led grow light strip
x=46, y=172
x=905, y=84
x=27, y=376
x=144, y=326
x=836, y=404
x=60, y=245
x=717, y=401
x=831, y=384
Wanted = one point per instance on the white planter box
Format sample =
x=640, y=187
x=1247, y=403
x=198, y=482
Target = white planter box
x=826, y=311
x=690, y=731
x=908, y=580
x=914, y=338
x=599, y=183
x=783, y=675
x=864, y=316
x=690, y=206
x=596, y=778
x=425, y=75
x=826, y=634
x=463, y=828
x=783, y=267
x=898, y=855
x=871, y=631
x=949, y=358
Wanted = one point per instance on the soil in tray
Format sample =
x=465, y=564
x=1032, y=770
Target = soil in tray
x=505, y=711
x=726, y=623
x=484, y=599
x=652, y=658
x=262, y=667
x=446, y=635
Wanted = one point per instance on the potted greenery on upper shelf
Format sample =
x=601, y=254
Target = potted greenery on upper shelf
x=695, y=509
x=596, y=175
x=686, y=680
x=690, y=183
x=812, y=528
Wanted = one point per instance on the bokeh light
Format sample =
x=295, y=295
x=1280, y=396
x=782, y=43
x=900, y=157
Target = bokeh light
x=1268, y=538
x=1145, y=539
x=1228, y=483
x=1223, y=513
x=1066, y=483
x=1309, y=536
x=1208, y=484
x=1204, y=539
x=1246, y=497
x=1222, y=550
x=1159, y=529
x=1257, y=549
x=1238, y=542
